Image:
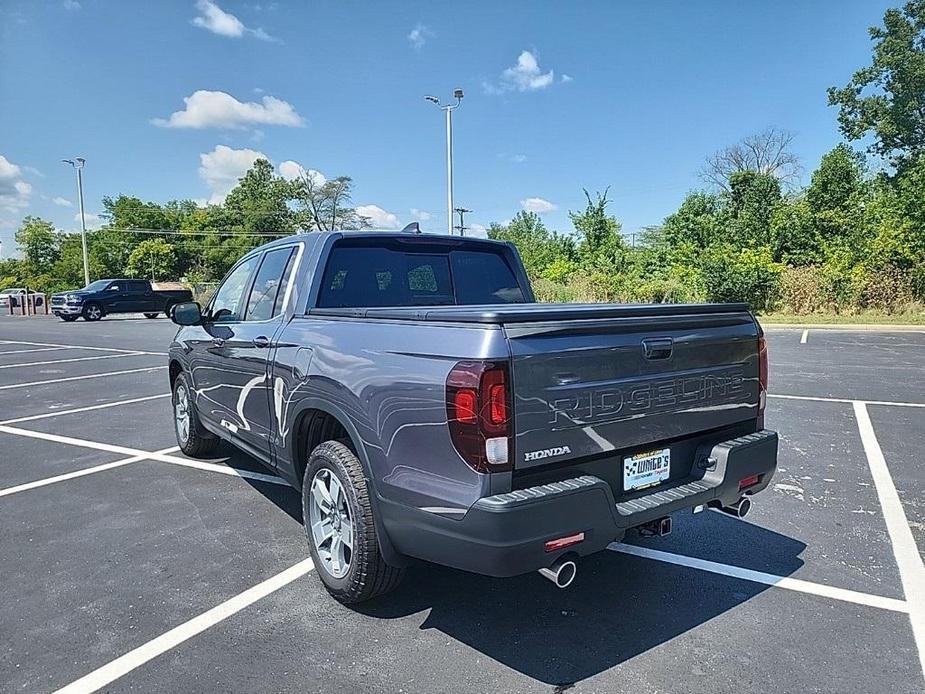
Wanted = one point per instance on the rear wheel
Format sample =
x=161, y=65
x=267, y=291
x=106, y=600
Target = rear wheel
x=193, y=439
x=92, y=312
x=151, y=315
x=341, y=531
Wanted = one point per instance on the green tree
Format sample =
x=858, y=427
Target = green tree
x=700, y=221
x=324, y=205
x=794, y=239
x=39, y=244
x=753, y=199
x=259, y=204
x=886, y=100
x=600, y=242
x=153, y=259
x=544, y=253
x=839, y=179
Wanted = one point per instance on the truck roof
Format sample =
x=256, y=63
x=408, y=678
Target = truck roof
x=323, y=236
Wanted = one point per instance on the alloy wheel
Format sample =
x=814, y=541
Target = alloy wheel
x=182, y=414
x=331, y=524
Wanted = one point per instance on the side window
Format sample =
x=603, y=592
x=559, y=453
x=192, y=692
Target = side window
x=284, y=285
x=114, y=287
x=228, y=304
x=262, y=303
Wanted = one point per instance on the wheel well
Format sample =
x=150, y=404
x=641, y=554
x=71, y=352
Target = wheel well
x=313, y=428
x=174, y=370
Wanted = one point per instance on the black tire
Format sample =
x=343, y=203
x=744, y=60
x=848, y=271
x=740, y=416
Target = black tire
x=152, y=315
x=92, y=312
x=197, y=442
x=367, y=575
x=68, y=319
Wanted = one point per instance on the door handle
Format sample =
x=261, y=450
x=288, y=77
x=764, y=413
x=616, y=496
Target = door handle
x=657, y=348
x=261, y=341
x=218, y=341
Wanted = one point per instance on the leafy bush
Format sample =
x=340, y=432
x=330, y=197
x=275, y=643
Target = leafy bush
x=749, y=275
x=885, y=290
x=803, y=290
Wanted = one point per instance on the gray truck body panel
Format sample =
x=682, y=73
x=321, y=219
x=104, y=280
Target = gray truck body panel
x=591, y=384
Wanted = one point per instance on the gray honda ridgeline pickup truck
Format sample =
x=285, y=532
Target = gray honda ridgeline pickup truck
x=428, y=408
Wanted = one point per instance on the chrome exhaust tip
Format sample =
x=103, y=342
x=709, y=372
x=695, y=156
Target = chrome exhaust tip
x=740, y=508
x=562, y=572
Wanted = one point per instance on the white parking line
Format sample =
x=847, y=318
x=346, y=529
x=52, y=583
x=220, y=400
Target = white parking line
x=908, y=559
x=152, y=455
x=124, y=664
x=102, y=406
x=30, y=351
x=56, y=344
x=847, y=401
x=804, y=337
x=767, y=579
x=81, y=378
x=79, y=473
x=67, y=361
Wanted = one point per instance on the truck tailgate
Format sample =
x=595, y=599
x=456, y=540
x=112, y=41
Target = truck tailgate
x=585, y=387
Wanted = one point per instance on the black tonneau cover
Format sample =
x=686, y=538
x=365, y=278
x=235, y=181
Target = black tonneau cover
x=528, y=313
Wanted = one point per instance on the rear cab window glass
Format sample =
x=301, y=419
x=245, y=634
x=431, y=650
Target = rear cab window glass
x=377, y=274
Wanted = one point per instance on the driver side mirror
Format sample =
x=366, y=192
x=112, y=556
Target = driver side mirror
x=187, y=313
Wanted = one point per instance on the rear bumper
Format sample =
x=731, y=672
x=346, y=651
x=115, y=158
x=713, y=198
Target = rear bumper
x=505, y=534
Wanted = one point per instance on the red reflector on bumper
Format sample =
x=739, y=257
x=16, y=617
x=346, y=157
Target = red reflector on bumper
x=566, y=541
x=749, y=481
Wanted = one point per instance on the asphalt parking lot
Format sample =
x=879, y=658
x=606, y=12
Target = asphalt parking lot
x=127, y=567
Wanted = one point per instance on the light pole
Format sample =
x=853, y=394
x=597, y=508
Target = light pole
x=448, y=110
x=78, y=164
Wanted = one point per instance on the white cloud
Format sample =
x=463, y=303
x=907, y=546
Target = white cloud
x=207, y=109
x=92, y=219
x=538, y=205
x=379, y=218
x=478, y=230
x=221, y=168
x=419, y=35
x=420, y=215
x=525, y=76
x=14, y=191
x=516, y=158
x=291, y=170
x=63, y=202
x=71, y=5
x=213, y=18
x=566, y=78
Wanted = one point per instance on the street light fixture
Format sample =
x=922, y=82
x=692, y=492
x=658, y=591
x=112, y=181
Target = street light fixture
x=448, y=110
x=78, y=164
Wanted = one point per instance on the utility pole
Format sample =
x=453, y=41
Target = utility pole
x=462, y=226
x=78, y=164
x=448, y=110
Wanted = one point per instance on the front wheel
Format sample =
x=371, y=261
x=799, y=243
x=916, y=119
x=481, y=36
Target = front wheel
x=92, y=312
x=342, y=535
x=151, y=315
x=193, y=439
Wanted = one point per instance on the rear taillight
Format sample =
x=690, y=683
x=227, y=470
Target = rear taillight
x=762, y=373
x=478, y=409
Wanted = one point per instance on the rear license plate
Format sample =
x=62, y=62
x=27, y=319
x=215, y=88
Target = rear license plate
x=646, y=469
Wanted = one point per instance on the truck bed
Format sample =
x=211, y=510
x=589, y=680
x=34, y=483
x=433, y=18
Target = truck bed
x=529, y=313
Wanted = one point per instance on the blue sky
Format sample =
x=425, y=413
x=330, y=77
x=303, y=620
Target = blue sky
x=173, y=99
